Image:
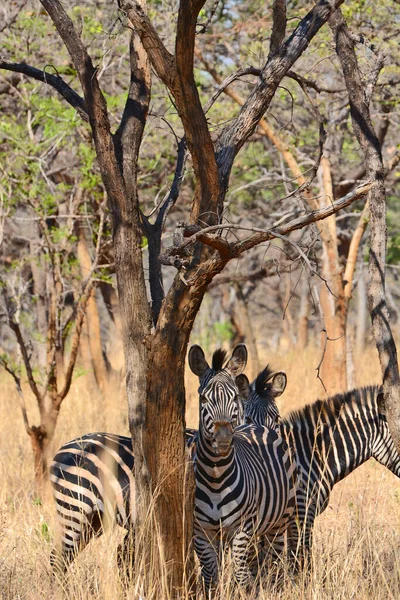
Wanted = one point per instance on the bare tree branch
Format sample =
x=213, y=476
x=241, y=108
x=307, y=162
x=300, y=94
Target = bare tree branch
x=278, y=27
x=207, y=201
x=233, y=250
x=129, y=135
x=265, y=129
x=240, y=129
x=54, y=81
x=245, y=277
x=81, y=311
x=14, y=326
x=226, y=82
x=96, y=106
x=162, y=61
x=177, y=74
x=12, y=15
x=154, y=233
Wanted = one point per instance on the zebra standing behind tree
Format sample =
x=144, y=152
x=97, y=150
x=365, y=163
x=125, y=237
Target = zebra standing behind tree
x=246, y=479
x=92, y=478
x=330, y=439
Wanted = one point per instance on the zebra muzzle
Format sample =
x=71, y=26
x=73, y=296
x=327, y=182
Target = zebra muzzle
x=222, y=438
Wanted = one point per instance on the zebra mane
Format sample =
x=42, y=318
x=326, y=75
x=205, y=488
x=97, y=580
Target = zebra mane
x=218, y=359
x=261, y=386
x=332, y=406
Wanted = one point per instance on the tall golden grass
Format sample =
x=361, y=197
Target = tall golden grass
x=356, y=545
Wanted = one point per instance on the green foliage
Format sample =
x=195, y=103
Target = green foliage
x=45, y=532
x=224, y=331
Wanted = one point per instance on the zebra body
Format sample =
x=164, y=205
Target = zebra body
x=330, y=439
x=93, y=481
x=243, y=496
x=246, y=478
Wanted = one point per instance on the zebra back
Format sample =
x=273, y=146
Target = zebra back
x=93, y=481
x=332, y=437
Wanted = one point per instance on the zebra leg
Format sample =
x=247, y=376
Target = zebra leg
x=269, y=551
x=76, y=534
x=300, y=542
x=208, y=554
x=241, y=545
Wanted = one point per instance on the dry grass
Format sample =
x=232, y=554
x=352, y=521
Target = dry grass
x=356, y=539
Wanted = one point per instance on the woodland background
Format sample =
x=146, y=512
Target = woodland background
x=281, y=298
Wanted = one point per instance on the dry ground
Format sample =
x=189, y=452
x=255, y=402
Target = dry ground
x=356, y=540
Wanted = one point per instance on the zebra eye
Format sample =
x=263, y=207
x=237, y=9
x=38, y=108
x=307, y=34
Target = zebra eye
x=203, y=399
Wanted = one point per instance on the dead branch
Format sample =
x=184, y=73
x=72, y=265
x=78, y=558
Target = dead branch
x=55, y=81
x=233, y=250
x=240, y=129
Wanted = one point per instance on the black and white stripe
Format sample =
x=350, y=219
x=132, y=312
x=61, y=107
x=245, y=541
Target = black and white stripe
x=92, y=477
x=92, y=480
x=245, y=480
x=330, y=438
x=260, y=396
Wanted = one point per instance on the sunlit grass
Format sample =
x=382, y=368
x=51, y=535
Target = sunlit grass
x=356, y=539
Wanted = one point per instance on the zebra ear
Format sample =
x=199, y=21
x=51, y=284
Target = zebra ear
x=380, y=400
x=243, y=385
x=237, y=362
x=197, y=361
x=278, y=383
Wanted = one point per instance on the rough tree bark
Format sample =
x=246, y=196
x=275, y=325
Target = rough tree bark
x=369, y=143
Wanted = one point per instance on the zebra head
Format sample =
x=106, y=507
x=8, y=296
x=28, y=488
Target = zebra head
x=221, y=408
x=260, y=406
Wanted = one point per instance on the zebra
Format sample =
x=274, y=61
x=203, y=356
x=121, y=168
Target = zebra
x=92, y=478
x=260, y=395
x=330, y=439
x=246, y=478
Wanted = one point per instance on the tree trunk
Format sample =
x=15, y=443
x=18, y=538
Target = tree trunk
x=304, y=311
x=361, y=323
x=40, y=442
x=92, y=317
x=245, y=328
x=333, y=368
x=86, y=358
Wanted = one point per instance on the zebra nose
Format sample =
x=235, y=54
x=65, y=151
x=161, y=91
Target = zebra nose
x=223, y=432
